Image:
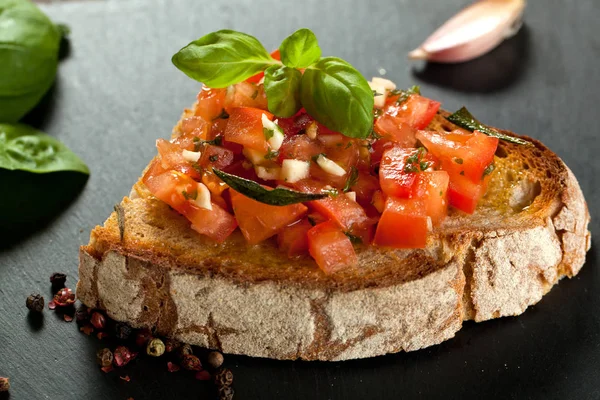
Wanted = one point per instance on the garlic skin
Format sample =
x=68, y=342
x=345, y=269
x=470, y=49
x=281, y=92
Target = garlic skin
x=472, y=32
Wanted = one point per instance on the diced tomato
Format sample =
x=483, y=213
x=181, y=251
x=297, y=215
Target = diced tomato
x=213, y=183
x=365, y=186
x=217, y=128
x=403, y=224
x=245, y=94
x=192, y=129
x=295, y=124
x=210, y=103
x=259, y=221
x=347, y=214
x=172, y=187
x=396, y=130
x=299, y=147
x=217, y=156
x=330, y=247
x=417, y=111
x=171, y=158
x=341, y=150
x=432, y=189
x=242, y=168
x=464, y=194
x=245, y=128
x=293, y=239
x=378, y=201
x=394, y=175
x=378, y=148
x=256, y=78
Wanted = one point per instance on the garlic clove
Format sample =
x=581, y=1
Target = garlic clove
x=472, y=32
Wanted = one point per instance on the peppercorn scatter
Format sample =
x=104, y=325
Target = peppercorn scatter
x=35, y=303
x=58, y=280
x=214, y=359
x=4, y=384
x=104, y=357
x=64, y=297
x=155, y=348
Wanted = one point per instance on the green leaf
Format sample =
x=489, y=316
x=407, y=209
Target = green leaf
x=282, y=86
x=27, y=149
x=352, y=179
x=466, y=120
x=300, y=49
x=274, y=197
x=223, y=58
x=29, y=44
x=334, y=93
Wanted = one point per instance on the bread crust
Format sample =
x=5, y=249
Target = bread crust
x=254, y=301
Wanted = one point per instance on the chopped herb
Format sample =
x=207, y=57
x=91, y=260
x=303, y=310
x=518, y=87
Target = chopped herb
x=374, y=135
x=353, y=238
x=268, y=133
x=424, y=165
x=271, y=154
x=223, y=115
x=197, y=143
x=333, y=192
x=274, y=197
x=217, y=141
x=191, y=195
x=352, y=179
x=411, y=168
x=311, y=220
x=376, y=93
x=377, y=112
x=462, y=172
x=348, y=145
x=413, y=159
x=458, y=160
x=466, y=120
x=197, y=167
x=441, y=193
x=488, y=170
x=405, y=94
x=254, y=94
x=314, y=158
x=213, y=158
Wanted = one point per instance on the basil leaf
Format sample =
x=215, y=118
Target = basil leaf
x=282, y=86
x=27, y=149
x=29, y=45
x=466, y=120
x=223, y=58
x=334, y=93
x=275, y=197
x=300, y=49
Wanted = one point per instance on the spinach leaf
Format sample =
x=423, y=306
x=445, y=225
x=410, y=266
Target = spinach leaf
x=300, y=49
x=334, y=93
x=274, y=197
x=466, y=120
x=29, y=45
x=223, y=58
x=27, y=149
x=282, y=85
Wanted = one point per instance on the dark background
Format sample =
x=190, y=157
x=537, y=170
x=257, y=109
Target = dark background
x=117, y=91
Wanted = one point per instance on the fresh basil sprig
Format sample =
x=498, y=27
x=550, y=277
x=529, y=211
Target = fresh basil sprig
x=275, y=197
x=282, y=86
x=466, y=120
x=331, y=90
x=29, y=47
x=27, y=149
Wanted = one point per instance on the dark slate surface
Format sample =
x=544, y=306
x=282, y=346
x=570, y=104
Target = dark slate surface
x=117, y=92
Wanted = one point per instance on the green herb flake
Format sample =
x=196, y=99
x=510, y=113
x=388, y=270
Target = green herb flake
x=378, y=112
x=466, y=120
x=213, y=158
x=333, y=192
x=274, y=197
x=424, y=165
x=462, y=173
x=411, y=168
x=352, y=179
x=405, y=94
x=193, y=195
x=488, y=170
x=254, y=95
x=271, y=154
x=458, y=160
x=223, y=115
x=348, y=145
x=268, y=133
x=353, y=238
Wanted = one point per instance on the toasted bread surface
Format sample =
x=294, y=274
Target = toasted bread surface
x=529, y=230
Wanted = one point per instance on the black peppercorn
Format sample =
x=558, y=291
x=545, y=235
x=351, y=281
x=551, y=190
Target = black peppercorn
x=82, y=315
x=225, y=392
x=155, y=348
x=223, y=377
x=214, y=359
x=191, y=362
x=122, y=331
x=104, y=357
x=4, y=384
x=184, y=350
x=58, y=281
x=35, y=302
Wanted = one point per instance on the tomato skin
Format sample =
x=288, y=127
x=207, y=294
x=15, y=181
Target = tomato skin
x=295, y=124
x=192, y=128
x=378, y=148
x=210, y=103
x=171, y=158
x=403, y=224
x=222, y=157
x=330, y=247
x=395, y=180
x=293, y=239
x=245, y=94
x=217, y=223
x=417, y=111
x=340, y=150
x=432, y=188
x=364, y=187
x=245, y=128
x=259, y=221
x=299, y=147
x=396, y=130
x=463, y=194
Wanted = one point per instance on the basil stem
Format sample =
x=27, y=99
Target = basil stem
x=466, y=120
x=274, y=197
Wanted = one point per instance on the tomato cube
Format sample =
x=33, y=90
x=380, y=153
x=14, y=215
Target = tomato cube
x=293, y=239
x=330, y=247
x=245, y=127
x=403, y=224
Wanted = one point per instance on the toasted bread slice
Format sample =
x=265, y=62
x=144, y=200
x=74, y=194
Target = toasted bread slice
x=529, y=231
